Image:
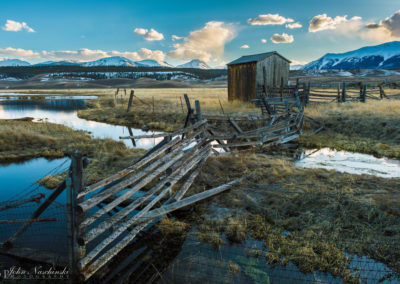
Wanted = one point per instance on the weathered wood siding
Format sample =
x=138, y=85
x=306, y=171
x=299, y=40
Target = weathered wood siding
x=242, y=81
x=271, y=71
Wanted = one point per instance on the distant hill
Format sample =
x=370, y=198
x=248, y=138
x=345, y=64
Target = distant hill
x=195, y=63
x=383, y=56
x=13, y=62
x=57, y=63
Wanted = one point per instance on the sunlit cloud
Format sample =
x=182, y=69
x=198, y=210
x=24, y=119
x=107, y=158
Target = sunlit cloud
x=13, y=26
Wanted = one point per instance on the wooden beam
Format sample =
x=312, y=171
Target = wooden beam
x=137, y=165
x=175, y=133
x=28, y=220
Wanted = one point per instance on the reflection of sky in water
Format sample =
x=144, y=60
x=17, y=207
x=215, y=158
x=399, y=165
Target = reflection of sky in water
x=65, y=112
x=48, y=236
x=354, y=163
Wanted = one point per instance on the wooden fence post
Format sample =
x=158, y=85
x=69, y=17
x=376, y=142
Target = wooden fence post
x=338, y=93
x=363, y=97
x=130, y=100
x=74, y=218
x=344, y=92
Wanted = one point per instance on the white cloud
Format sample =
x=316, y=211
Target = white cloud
x=283, y=38
x=263, y=40
x=324, y=22
x=140, y=31
x=269, y=19
x=206, y=44
x=13, y=26
x=149, y=35
x=388, y=29
x=294, y=25
x=383, y=31
x=85, y=54
x=19, y=52
x=245, y=46
x=298, y=62
x=175, y=37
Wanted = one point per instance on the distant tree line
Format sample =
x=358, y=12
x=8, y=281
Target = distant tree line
x=26, y=72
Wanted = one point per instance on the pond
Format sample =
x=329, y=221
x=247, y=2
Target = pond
x=64, y=110
x=349, y=162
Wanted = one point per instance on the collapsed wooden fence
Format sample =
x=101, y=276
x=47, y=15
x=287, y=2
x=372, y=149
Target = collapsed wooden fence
x=103, y=218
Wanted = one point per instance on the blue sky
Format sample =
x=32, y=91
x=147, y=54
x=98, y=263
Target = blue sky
x=216, y=31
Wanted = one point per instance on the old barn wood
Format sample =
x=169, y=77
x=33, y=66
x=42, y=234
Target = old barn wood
x=252, y=74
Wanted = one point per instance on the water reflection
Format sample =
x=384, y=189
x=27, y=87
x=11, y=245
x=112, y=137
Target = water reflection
x=48, y=236
x=64, y=111
x=349, y=162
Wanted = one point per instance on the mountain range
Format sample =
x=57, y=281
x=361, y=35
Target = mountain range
x=109, y=61
x=383, y=56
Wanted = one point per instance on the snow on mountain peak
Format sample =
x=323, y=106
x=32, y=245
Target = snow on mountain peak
x=385, y=55
x=195, y=63
x=13, y=62
x=111, y=61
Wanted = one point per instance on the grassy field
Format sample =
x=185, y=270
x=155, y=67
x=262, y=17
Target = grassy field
x=372, y=127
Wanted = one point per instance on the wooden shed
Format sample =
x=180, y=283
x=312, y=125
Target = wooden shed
x=253, y=74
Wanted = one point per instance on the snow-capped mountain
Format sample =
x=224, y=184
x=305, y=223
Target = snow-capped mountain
x=383, y=56
x=152, y=63
x=58, y=63
x=13, y=62
x=111, y=61
x=195, y=63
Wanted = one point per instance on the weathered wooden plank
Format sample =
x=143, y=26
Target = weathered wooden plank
x=125, y=225
x=178, y=132
x=93, y=201
x=135, y=204
x=16, y=203
x=190, y=200
x=130, y=169
x=37, y=220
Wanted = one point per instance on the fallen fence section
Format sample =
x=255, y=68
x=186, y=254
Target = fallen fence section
x=109, y=214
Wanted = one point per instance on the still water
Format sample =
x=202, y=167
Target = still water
x=349, y=162
x=64, y=111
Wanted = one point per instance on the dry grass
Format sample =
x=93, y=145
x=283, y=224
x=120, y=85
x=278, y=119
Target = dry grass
x=21, y=140
x=169, y=110
x=325, y=214
x=372, y=127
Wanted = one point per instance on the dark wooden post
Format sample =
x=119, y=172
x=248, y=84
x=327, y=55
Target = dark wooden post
x=308, y=93
x=74, y=217
x=189, y=117
x=338, y=93
x=364, y=94
x=130, y=100
x=153, y=104
x=281, y=90
x=344, y=92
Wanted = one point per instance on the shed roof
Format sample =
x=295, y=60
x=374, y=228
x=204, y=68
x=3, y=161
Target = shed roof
x=255, y=58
